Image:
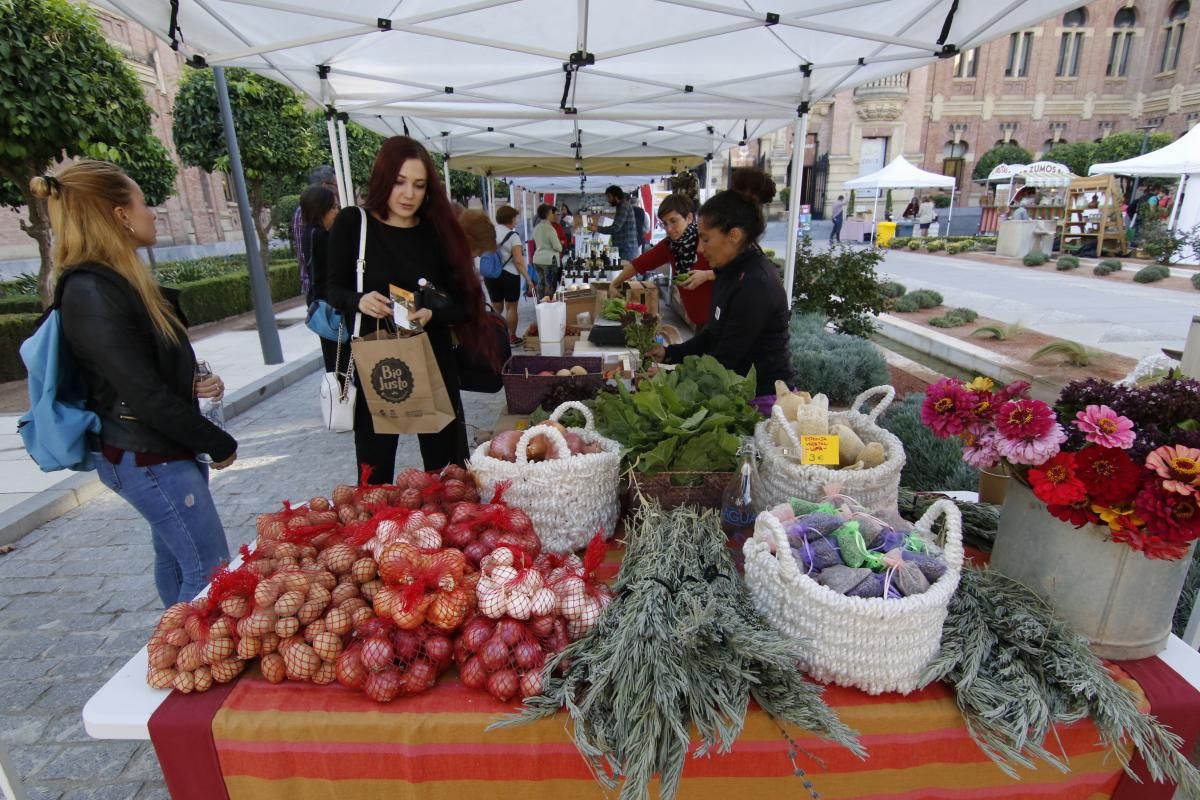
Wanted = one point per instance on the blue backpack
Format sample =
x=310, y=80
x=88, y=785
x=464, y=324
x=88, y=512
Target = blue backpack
x=490, y=265
x=56, y=428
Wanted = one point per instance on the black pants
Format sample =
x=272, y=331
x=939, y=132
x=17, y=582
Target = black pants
x=378, y=450
x=836, y=236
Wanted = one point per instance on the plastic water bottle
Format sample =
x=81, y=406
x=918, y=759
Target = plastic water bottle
x=211, y=407
x=737, y=507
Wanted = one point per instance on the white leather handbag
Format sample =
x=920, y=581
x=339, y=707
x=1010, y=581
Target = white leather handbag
x=338, y=392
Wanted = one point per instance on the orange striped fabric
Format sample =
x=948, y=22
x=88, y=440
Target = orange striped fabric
x=303, y=742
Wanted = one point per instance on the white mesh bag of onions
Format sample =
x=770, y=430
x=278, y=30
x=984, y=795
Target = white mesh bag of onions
x=571, y=493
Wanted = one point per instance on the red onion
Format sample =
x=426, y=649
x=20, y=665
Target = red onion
x=383, y=687
x=377, y=654
x=494, y=654
x=473, y=674
x=531, y=683
x=503, y=685
x=439, y=650
x=421, y=675
x=410, y=498
x=511, y=631
x=350, y=670
x=406, y=644
x=542, y=626
x=504, y=446
x=528, y=655
x=475, y=552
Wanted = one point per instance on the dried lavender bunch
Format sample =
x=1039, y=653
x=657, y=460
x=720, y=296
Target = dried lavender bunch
x=681, y=645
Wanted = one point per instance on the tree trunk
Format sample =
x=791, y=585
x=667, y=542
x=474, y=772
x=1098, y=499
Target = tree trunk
x=39, y=228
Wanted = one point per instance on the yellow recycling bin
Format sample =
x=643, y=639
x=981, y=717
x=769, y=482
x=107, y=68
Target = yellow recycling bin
x=884, y=233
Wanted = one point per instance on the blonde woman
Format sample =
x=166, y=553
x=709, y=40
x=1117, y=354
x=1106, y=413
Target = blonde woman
x=130, y=341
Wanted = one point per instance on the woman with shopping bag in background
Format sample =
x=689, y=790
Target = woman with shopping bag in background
x=411, y=235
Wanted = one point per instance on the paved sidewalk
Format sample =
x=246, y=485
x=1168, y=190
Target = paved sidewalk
x=30, y=497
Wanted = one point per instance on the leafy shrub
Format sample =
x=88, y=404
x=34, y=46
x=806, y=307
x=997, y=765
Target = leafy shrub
x=21, y=304
x=893, y=290
x=14, y=329
x=954, y=318
x=1107, y=267
x=914, y=244
x=926, y=298
x=941, y=200
x=1152, y=274
x=837, y=364
x=958, y=247
x=931, y=464
x=1065, y=263
x=1076, y=354
x=839, y=283
x=1196, y=280
x=1034, y=259
x=935, y=245
x=24, y=284
x=224, y=296
x=899, y=242
x=998, y=332
x=907, y=304
x=984, y=243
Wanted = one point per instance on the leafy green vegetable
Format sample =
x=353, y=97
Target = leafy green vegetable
x=614, y=307
x=690, y=419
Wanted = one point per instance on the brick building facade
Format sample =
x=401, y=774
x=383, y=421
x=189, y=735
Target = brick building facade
x=200, y=211
x=1105, y=67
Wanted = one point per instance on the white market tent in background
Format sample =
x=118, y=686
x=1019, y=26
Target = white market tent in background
x=1042, y=174
x=1180, y=159
x=524, y=87
x=903, y=174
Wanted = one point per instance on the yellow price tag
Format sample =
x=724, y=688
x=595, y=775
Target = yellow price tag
x=522, y=424
x=819, y=450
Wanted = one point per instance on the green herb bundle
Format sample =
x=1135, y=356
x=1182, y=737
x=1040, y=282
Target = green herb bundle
x=1017, y=671
x=979, y=520
x=681, y=645
x=689, y=419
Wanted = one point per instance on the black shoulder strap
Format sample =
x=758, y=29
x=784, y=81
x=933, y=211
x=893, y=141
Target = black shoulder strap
x=507, y=236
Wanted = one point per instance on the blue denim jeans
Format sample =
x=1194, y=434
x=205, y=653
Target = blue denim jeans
x=189, y=540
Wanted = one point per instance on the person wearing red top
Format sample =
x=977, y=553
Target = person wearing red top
x=678, y=250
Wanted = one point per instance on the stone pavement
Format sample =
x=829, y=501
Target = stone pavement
x=77, y=596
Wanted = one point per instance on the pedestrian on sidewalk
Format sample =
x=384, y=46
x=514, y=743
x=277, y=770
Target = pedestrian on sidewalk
x=318, y=208
x=412, y=234
x=129, y=338
x=325, y=176
x=839, y=216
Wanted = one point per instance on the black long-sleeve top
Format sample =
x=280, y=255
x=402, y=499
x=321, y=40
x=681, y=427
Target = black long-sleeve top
x=316, y=250
x=399, y=256
x=748, y=326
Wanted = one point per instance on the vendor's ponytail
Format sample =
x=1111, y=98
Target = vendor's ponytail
x=741, y=205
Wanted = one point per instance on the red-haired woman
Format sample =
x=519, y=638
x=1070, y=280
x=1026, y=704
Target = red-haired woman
x=412, y=233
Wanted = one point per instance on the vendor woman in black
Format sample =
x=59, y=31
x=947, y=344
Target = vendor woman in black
x=412, y=233
x=748, y=326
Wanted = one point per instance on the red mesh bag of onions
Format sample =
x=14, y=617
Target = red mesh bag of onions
x=358, y=503
x=582, y=595
x=479, y=529
x=449, y=486
x=505, y=657
x=510, y=585
x=420, y=587
x=387, y=662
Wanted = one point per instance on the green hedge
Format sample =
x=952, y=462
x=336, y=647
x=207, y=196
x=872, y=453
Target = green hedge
x=20, y=304
x=211, y=299
x=14, y=329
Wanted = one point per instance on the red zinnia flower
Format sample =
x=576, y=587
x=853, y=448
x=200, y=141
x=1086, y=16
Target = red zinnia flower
x=1077, y=514
x=1025, y=419
x=1172, y=516
x=1110, y=476
x=1055, y=482
x=945, y=408
x=1148, y=544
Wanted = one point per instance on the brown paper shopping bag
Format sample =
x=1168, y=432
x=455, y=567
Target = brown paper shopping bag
x=402, y=383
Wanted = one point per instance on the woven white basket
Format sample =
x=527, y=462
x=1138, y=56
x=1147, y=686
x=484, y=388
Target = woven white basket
x=780, y=478
x=568, y=499
x=874, y=644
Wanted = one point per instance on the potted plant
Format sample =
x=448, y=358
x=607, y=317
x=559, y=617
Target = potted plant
x=1103, y=508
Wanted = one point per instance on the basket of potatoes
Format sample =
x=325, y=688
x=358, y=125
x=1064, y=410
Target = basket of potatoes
x=869, y=458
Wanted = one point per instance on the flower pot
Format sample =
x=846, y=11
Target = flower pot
x=1118, y=599
x=993, y=485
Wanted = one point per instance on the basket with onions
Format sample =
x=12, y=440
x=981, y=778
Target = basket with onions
x=566, y=479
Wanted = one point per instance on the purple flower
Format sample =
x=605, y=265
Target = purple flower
x=980, y=451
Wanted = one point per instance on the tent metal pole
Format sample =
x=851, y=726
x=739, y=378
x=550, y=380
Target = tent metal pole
x=346, y=158
x=710, y=179
x=1175, y=204
x=446, y=176
x=874, y=211
x=525, y=214
x=950, y=216
x=260, y=293
x=799, y=133
x=334, y=153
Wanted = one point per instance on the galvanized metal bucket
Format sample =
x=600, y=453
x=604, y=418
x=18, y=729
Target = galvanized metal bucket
x=1121, y=601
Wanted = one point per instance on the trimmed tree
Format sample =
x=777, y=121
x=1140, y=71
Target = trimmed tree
x=1128, y=144
x=1075, y=156
x=68, y=94
x=274, y=134
x=1000, y=154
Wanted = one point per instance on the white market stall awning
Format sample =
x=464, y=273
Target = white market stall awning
x=1180, y=157
x=594, y=184
x=541, y=79
x=1039, y=173
x=901, y=174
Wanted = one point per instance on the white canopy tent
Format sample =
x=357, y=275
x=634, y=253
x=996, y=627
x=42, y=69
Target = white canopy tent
x=1180, y=159
x=902, y=174
x=507, y=87
x=1041, y=174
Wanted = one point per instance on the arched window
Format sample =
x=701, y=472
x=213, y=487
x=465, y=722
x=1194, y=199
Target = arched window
x=953, y=161
x=1176, y=22
x=1121, y=44
x=1070, y=44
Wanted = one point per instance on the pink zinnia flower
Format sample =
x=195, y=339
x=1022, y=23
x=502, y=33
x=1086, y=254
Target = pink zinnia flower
x=1105, y=427
x=1011, y=391
x=946, y=408
x=980, y=450
x=1025, y=419
x=1178, y=465
x=1033, y=450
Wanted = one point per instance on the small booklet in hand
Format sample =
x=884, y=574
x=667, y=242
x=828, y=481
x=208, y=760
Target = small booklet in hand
x=404, y=303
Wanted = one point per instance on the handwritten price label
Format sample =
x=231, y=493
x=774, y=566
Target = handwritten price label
x=819, y=450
